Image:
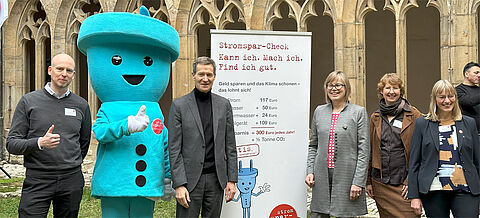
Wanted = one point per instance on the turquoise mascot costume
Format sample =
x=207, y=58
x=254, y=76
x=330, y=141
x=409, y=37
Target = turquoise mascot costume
x=129, y=57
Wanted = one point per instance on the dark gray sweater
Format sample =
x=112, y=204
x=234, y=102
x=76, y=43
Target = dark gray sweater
x=35, y=113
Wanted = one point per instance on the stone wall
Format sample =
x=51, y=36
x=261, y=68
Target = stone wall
x=59, y=21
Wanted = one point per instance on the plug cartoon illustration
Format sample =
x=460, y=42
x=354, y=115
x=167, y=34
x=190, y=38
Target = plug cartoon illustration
x=129, y=57
x=247, y=178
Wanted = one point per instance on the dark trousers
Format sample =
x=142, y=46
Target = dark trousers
x=439, y=204
x=207, y=196
x=40, y=190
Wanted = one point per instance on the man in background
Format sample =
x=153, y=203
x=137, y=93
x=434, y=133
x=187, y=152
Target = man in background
x=469, y=93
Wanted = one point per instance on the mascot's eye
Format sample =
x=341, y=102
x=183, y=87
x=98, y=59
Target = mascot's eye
x=147, y=61
x=116, y=60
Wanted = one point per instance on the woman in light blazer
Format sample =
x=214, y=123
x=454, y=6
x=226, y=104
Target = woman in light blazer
x=444, y=173
x=391, y=129
x=338, y=153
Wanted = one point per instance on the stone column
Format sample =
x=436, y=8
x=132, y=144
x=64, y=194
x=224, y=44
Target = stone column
x=40, y=68
x=182, y=81
x=92, y=101
x=461, y=37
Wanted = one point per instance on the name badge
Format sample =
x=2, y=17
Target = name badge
x=70, y=112
x=397, y=123
x=445, y=128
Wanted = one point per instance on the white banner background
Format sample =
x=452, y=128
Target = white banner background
x=266, y=77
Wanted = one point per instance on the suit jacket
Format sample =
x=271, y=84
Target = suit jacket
x=186, y=141
x=352, y=151
x=408, y=125
x=425, y=149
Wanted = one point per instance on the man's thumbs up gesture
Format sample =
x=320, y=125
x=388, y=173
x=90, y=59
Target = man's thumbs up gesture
x=49, y=140
x=139, y=122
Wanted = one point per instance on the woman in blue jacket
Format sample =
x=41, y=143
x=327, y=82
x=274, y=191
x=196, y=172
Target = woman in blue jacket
x=444, y=170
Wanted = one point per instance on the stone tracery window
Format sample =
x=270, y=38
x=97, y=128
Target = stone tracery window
x=315, y=20
x=34, y=37
x=283, y=17
x=420, y=38
x=312, y=16
x=292, y=15
x=379, y=45
x=79, y=12
x=157, y=8
x=423, y=52
x=219, y=14
x=232, y=19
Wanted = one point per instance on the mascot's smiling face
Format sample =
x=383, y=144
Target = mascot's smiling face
x=128, y=55
x=128, y=73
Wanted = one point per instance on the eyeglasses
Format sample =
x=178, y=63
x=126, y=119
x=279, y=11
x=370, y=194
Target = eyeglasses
x=61, y=69
x=444, y=97
x=336, y=86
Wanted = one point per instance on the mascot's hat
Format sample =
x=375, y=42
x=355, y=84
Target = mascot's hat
x=128, y=28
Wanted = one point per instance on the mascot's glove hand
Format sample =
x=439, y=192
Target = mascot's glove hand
x=139, y=122
x=168, y=192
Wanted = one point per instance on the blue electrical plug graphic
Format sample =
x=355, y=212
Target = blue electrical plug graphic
x=246, y=183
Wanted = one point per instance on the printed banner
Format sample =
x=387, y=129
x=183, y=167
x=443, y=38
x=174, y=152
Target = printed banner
x=266, y=77
x=3, y=11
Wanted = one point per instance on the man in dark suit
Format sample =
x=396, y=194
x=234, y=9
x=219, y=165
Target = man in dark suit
x=201, y=139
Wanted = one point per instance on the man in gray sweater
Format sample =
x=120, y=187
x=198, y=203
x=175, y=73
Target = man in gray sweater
x=51, y=129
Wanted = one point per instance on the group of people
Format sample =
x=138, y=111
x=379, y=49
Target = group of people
x=51, y=128
x=402, y=159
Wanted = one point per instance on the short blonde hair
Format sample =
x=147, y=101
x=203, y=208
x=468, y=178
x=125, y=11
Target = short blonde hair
x=393, y=79
x=337, y=75
x=439, y=87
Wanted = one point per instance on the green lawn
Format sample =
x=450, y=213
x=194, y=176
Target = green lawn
x=89, y=207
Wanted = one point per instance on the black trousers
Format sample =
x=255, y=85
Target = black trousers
x=207, y=196
x=40, y=189
x=439, y=204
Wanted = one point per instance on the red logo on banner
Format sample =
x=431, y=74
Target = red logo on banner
x=157, y=126
x=283, y=211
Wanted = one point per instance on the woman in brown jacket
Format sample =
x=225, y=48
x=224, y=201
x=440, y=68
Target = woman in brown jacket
x=391, y=128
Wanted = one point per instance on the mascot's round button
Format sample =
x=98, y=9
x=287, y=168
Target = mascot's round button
x=141, y=149
x=141, y=165
x=140, y=181
x=157, y=126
